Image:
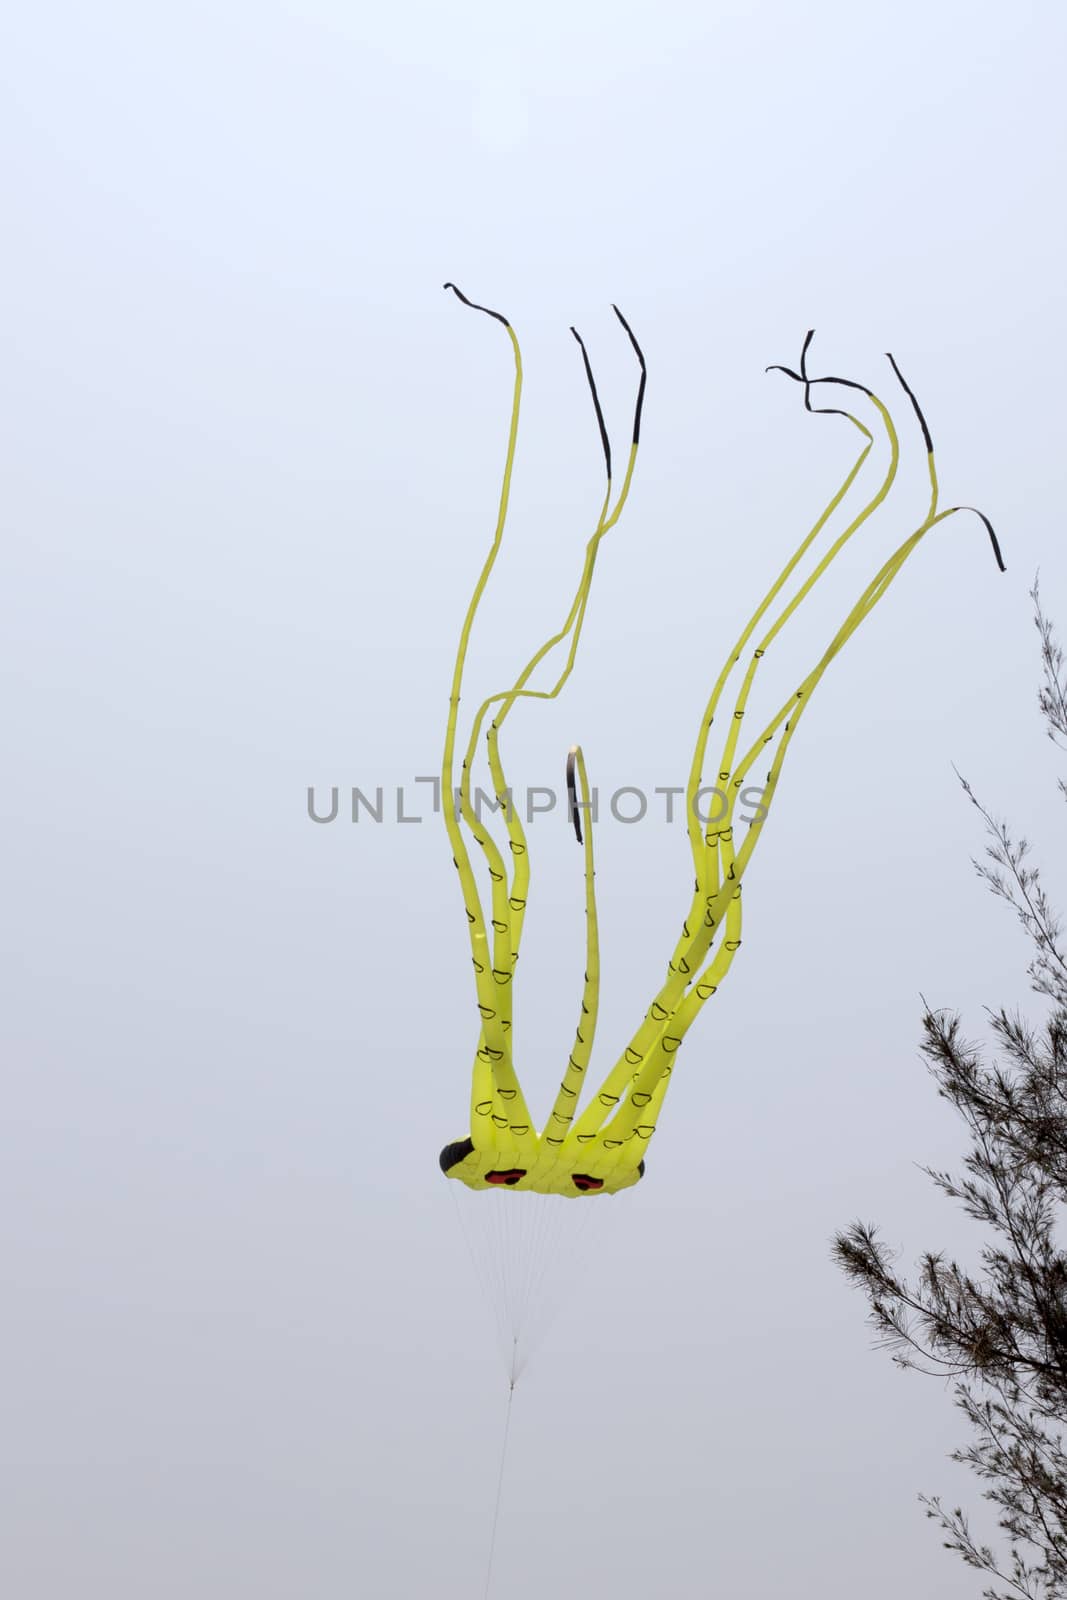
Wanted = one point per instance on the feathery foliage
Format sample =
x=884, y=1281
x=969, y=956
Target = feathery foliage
x=1000, y=1331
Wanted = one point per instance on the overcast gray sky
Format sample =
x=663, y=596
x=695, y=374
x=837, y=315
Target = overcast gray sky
x=251, y=454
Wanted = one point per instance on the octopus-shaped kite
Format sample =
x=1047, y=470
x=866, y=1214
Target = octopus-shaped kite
x=601, y=1149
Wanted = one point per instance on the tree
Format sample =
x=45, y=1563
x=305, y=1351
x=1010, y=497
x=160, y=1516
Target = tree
x=1001, y=1331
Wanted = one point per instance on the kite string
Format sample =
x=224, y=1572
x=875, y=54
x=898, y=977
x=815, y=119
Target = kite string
x=500, y=1479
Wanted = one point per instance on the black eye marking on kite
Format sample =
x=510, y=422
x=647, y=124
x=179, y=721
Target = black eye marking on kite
x=511, y=1176
x=584, y=1182
x=454, y=1153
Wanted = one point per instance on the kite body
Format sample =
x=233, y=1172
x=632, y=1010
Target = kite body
x=567, y=1169
x=595, y=1143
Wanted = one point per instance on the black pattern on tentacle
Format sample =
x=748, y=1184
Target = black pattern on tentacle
x=475, y=307
x=572, y=793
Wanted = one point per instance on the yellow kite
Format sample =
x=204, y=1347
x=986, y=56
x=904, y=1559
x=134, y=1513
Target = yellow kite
x=600, y=1149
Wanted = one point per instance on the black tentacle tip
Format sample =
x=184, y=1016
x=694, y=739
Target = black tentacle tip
x=915, y=406
x=572, y=796
x=802, y=375
x=988, y=526
x=458, y=292
x=640, y=354
x=630, y=332
x=605, y=442
x=581, y=342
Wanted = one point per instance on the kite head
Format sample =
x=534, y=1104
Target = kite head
x=567, y=1168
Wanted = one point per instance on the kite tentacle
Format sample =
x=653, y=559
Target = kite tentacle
x=509, y=906
x=712, y=899
x=572, y=626
x=574, y=621
x=492, y=1059
x=874, y=591
x=520, y=854
x=650, y=1083
x=562, y=1113
x=696, y=837
x=729, y=777
x=494, y=1079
